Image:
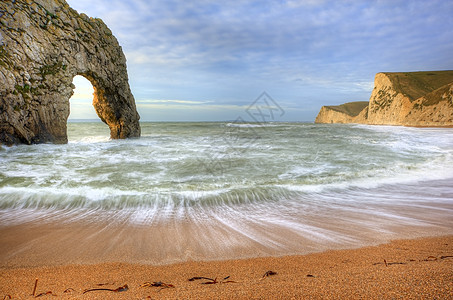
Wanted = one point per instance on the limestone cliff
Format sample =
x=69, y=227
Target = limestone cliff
x=346, y=113
x=43, y=45
x=408, y=99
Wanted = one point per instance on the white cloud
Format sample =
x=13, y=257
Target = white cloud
x=182, y=105
x=297, y=3
x=228, y=51
x=173, y=101
x=81, y=101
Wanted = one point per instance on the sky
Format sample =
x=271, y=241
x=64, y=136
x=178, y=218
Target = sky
x=207, y=60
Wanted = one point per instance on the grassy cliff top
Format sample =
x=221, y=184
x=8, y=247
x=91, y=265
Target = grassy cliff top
x=351, y=108
x=417, y=84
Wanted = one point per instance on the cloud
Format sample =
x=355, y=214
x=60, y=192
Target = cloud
x=186, y=102
x=202, y=33
x=231, y=51
x=188, y=106
x=82, y=111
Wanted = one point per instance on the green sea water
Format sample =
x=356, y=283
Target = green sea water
x=251, y=178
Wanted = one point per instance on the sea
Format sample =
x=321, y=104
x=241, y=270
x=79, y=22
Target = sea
x=216, y=190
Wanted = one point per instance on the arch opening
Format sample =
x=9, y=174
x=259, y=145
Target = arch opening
x=83, y=121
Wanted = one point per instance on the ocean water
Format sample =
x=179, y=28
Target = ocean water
x=238, y=189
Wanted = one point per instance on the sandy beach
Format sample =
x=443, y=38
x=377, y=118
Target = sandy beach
x=88, y=224
x=291, y=149
x=403, y=269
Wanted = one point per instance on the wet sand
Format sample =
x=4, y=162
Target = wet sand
x=339, y=251
x=418, y=268
x=99, y=239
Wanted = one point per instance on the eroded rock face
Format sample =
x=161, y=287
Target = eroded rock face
x=409, y=99
x=43, y=45
x=350, y=112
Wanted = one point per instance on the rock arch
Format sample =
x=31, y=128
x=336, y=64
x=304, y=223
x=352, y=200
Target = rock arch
x=43, y=45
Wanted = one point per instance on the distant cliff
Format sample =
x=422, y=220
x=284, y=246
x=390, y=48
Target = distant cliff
x=344, y=113
x=408, y=99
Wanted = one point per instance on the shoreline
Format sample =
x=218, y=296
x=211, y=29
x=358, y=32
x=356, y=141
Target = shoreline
x=34, y=238
x=57, y=242
x=414, y=268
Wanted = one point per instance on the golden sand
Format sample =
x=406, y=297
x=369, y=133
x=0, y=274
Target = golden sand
x=404, y=269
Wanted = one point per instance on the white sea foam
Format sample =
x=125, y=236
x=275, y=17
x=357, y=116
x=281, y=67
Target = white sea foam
x=201, y=173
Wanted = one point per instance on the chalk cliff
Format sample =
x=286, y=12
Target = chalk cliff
x=345, y=113
x=43, y=45
x=408, y=99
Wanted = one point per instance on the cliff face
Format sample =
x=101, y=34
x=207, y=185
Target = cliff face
x=408, y=99
x=433, y=109
x=346, y=113
x=43, y=45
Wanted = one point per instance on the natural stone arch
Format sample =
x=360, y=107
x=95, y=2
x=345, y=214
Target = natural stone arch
x=43, y=45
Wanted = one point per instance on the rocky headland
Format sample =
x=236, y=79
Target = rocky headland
x=422, y=99
x=43, y=45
